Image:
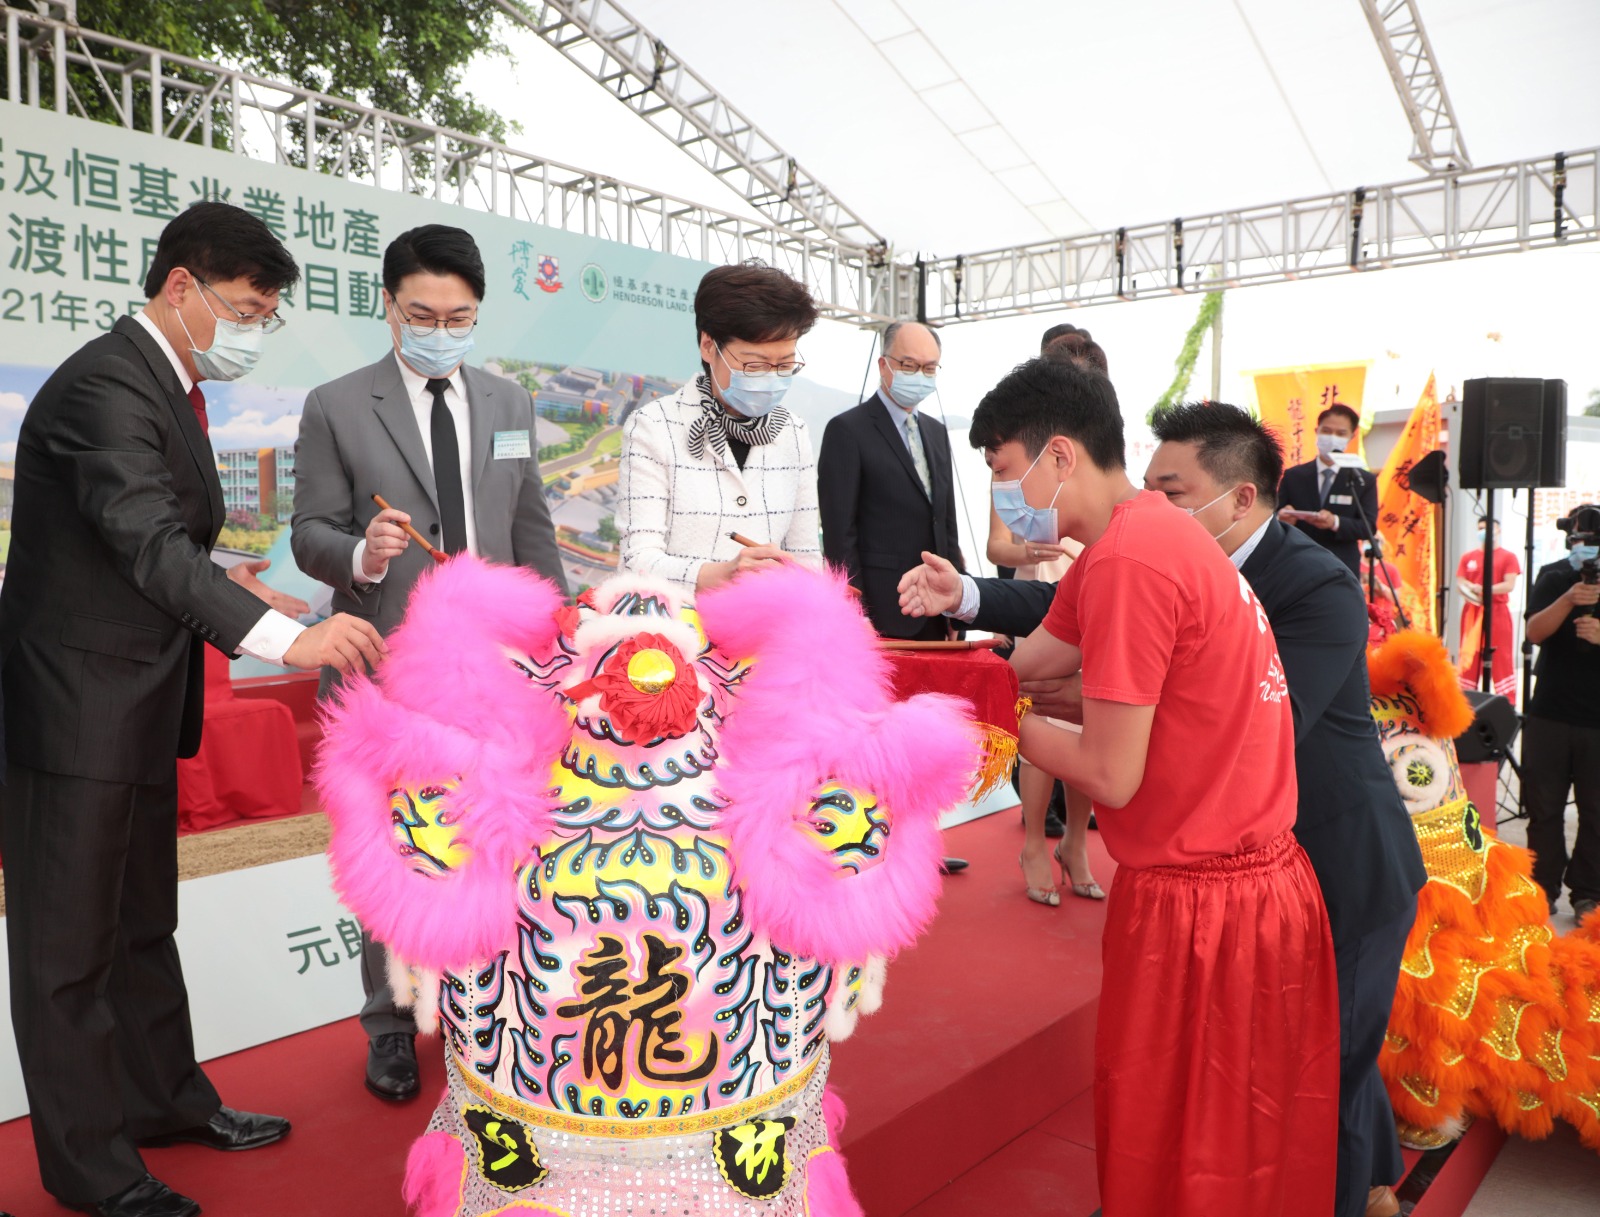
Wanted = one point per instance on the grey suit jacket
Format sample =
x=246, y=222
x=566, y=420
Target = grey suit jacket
x=359, y=437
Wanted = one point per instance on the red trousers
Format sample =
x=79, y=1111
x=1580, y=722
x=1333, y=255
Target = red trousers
x=1217, y=1051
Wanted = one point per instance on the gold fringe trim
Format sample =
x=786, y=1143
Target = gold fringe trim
x=669, y=1126
x=998, y=760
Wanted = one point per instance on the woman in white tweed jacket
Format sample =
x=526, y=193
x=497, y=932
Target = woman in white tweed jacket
x=722, y=455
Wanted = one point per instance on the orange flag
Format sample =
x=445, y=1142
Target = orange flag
x=1408, y=521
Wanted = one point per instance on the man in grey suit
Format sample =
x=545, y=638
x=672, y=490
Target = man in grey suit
x=453, y=450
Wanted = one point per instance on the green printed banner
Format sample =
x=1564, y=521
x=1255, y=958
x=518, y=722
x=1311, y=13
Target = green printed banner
x=591, y=327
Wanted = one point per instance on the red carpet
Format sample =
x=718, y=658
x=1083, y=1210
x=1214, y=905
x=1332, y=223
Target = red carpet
x=968, y=1092
x=986, y=1029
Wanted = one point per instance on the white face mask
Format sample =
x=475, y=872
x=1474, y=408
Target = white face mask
x=1194, y=511
x=1327, y=445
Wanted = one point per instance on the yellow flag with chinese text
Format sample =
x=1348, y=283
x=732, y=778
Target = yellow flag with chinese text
x=1408, y=522
x=1289, y=400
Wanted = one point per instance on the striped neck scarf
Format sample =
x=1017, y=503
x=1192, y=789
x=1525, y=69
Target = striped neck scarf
x=713, y=425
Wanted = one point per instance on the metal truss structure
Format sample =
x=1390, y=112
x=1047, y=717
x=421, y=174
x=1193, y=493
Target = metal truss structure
x=1456, y=212
x=639, y=70
x=1524, y=205
x=52, y=63
x=1397, y=26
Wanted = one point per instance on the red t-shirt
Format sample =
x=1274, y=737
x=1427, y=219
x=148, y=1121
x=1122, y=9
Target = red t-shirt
x=1505, y=563
x=1164, y=619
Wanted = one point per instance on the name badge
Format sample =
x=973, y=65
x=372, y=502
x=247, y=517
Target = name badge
x=1337, y=500
x=512, y=445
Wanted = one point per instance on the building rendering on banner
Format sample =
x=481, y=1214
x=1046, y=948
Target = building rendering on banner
x=259, y=480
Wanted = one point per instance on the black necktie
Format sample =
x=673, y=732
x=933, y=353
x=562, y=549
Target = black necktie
x=447, y=471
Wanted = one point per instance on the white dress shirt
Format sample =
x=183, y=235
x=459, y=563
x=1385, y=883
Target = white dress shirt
x=1242, y=555
x=272, y=636
x=455, y=400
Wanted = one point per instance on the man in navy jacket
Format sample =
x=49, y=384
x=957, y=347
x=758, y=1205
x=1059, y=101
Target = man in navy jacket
x=1224, y=467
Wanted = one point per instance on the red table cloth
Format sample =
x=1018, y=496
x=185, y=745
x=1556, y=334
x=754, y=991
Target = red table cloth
x=248, y=766
x=987, y=682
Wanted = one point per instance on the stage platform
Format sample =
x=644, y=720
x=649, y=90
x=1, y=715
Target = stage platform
x=969, y=1092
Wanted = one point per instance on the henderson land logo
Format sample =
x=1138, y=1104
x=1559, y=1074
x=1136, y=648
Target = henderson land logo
x=593, y=283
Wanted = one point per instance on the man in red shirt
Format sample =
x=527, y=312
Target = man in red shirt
x=1469, y=578
x=1217, y=1050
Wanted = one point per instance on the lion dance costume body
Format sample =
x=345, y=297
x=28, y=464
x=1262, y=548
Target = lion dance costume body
x=1495, y=1014
x=641, y=863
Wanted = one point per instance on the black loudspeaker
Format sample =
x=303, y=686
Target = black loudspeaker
x=1513, y=433
x=1429, y=478
x=1494, y=728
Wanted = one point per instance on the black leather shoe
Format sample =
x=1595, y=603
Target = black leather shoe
x=147, y=1198
x=228, y=1130
x=1054, y=825
x=392, y=1066
x=950, y=866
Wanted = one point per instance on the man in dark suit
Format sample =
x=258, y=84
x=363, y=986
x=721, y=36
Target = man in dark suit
x=1337, y=508
x=885, y=486
x=110, y=598
x=454, y=444
x=1221, y=465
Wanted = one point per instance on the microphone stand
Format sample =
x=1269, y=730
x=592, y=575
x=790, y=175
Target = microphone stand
x=1372, y=559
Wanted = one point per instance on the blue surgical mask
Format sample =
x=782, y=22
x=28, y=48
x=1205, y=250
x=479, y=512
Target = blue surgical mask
x=909, y=388
x=1028, y=524
x=1579, y=554
x=234, y=349
x=753, y=394
x=437, y=355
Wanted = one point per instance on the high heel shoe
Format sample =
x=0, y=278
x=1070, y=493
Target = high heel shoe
x=1089, y=891
x=1040, y=895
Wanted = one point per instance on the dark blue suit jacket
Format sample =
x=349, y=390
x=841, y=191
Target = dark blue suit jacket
x=1301, y=488
x=1351, y=820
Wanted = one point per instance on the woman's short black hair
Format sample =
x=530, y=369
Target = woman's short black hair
x=1043, y=398
x=218, y=242
x=436, y=249
x=1232, y=447
x=752, y=302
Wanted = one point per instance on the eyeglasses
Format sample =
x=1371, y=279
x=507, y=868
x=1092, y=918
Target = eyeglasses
x=422, y=327
x=760, y=367
x=266, y=323
x=911, y=365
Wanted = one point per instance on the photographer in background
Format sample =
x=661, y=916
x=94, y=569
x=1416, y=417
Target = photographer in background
x=1561, y=735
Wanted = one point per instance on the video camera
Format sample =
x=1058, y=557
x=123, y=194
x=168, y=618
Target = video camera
x=1583, y=528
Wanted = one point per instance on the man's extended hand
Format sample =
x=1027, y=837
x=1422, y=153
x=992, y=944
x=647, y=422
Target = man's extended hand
x=930, y=589
x=1326, y=519
x=244, y=574
x=342, y=642
x=1060, y=697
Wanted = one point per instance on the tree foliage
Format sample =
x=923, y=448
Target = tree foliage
x=1593, y=408
x=407, y=57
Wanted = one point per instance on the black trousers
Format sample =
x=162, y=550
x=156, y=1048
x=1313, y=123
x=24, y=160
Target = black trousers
x=1369, y=1147
x=379, y=1014
x=97, y=995
x=1558, y=758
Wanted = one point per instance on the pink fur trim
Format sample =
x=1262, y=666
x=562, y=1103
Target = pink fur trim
x=448, y=706
x=816, y=708
x=432, y=1185
x=828, y=1191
